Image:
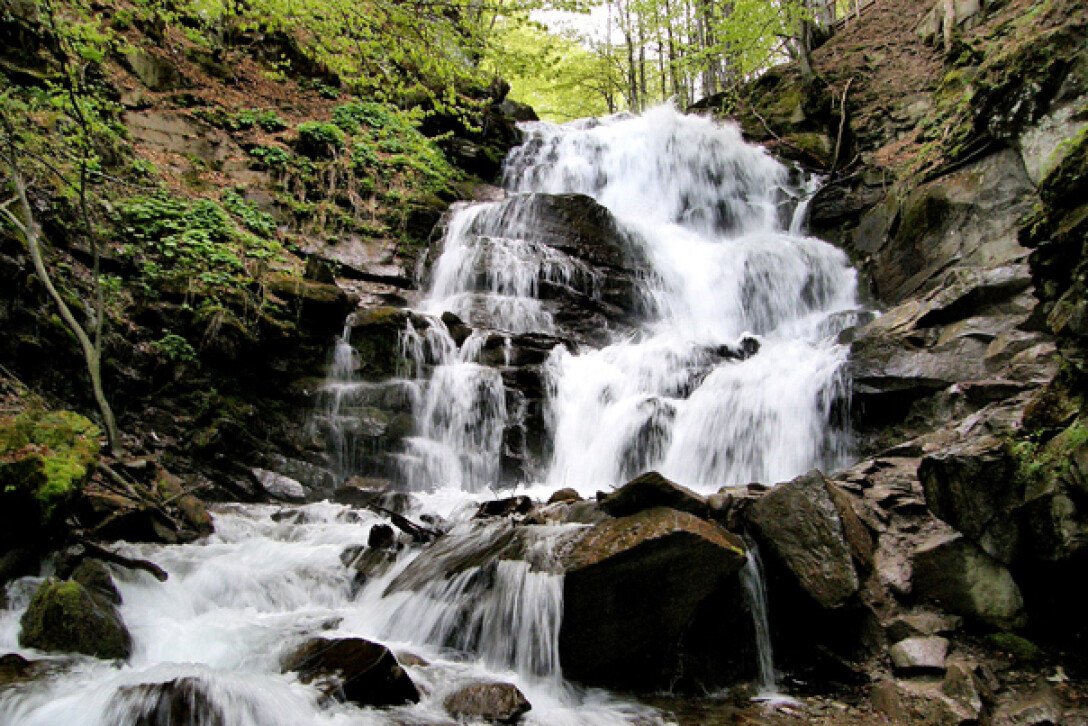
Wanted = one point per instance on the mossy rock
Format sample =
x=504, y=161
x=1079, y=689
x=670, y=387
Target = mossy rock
x=45, y=458
x=65, y=617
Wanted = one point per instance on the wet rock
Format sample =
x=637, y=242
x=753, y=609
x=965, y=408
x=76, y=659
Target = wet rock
x=505, y=507
x=586, y=511
x=491, y=702
x=353, y=669
x=965, y=580
x=804, y=529
x=364, y=493
x=367, y=562
x=95, y=576
x=488, y=541
x=14, y=669
x=179, y=702
x=320, y=306
x=632, y=591
x=564, y=495
x=65, y=617
x=311, y=476
x=381, y=537
x=919, y=655
x=456, y=327
x=279, y=486
x=972, y=487
x=653, y=490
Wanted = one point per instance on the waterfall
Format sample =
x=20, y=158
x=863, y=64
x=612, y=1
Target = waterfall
x=755, y=595
x=715, y=230
x=643, y=297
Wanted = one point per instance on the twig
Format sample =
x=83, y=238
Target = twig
x=99, y=552
x=782, y=141
x=842, y=127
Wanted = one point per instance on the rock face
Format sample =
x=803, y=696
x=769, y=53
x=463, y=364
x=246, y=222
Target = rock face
x=802, y=527
x=603, y=293
x=355, y=670
x=65, y=617
x=653, y=490
x=632, y=596
x=972, y=487
x=491, y=702
x=967, y=581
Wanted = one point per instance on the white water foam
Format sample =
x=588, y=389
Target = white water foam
x=720, y=227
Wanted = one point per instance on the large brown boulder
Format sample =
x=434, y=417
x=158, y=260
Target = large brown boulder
x=65, y=617
x=965, y=580
x=808, y=527
x=491, y=702
x=355, y=670
x=653, y=490
x=633, y=594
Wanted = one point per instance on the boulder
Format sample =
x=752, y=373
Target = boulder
x=963, y=683
x=178, y=702
x=65, y=617
x=802, y=527
x=279, y=486
x=965, y=580
x=381, y=537
x=95, y=576
x=520, y=504
x=357, y=492
x=919, y=655
x=973, y=487
x=632, y=594
x=490, y=702
x=353, y=669
x=564, y=495
x=653, y=490
x=922, y=624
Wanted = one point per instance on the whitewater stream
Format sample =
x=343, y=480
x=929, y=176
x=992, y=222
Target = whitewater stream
x=716, y=225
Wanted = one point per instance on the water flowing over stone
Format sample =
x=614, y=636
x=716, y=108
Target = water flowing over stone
x=713, y=356
x=640, y=299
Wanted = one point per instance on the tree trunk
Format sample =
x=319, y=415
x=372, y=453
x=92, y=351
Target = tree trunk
x=31, y=232
x=949, y=24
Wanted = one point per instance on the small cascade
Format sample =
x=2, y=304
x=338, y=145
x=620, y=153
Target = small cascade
x=755, y=594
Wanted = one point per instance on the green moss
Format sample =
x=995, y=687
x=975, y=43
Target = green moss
x=1021, y=649
x=65, y=617
x=48, y=454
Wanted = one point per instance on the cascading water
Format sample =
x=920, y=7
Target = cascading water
x=710, y=217
x=710, y=355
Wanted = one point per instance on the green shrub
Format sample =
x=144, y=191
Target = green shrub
x=319, y=140
x=274, y=157
x=174, y=348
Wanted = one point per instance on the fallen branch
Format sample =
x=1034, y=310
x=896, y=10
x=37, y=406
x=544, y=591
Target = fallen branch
x=101, y=553
x=417, y=532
